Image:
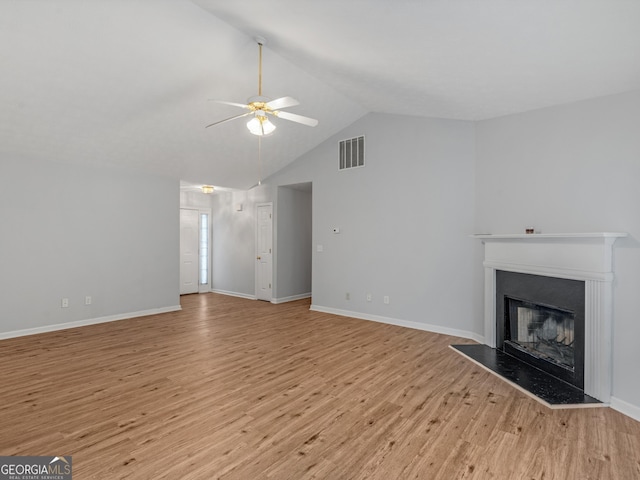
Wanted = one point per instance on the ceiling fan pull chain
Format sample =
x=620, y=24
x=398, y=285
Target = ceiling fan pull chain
x=259, y=160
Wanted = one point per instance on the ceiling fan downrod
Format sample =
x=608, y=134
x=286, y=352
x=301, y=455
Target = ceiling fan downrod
x=261, y=42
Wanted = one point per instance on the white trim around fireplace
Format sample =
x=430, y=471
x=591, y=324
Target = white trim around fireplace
x=578, y=256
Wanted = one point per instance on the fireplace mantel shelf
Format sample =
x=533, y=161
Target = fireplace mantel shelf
x=498, y=236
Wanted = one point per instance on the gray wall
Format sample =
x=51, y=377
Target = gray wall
x=293, y=239
x=72, y=231
x=572, y=168
x=405, y=221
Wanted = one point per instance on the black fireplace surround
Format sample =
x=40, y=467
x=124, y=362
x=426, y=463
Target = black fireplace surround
x=550, y=310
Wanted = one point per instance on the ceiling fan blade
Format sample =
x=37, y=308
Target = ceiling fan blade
x=241, y=105
x=283, y=102
x=229, y=119
x=311, y=122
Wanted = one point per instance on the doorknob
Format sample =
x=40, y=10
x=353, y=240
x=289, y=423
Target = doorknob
x=257, y=258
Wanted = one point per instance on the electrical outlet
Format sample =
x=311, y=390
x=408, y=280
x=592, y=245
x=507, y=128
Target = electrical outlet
x=347, y=296
x=386, y=300
x=87, y=300
x=64, y=303
x=368, y=297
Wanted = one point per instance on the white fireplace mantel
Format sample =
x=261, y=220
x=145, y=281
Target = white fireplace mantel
x=579, y=256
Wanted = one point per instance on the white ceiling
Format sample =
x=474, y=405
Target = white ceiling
x=127, y=82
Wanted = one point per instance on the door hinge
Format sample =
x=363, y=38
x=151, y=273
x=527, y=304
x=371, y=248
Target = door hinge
x=269, y=285
x=269, y=250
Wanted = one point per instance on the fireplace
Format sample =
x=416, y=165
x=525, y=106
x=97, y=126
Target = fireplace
x=540, y=321
x=564, y=317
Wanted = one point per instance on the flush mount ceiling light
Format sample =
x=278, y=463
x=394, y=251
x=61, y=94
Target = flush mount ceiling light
x=207, y=189
x=261, y=107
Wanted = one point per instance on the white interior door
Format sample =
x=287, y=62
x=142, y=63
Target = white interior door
x=264, y=244
x=189, y=236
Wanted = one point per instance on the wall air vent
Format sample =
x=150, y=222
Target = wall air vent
x=352, y=153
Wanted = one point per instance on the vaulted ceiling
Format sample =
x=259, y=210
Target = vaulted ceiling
x=130, y=82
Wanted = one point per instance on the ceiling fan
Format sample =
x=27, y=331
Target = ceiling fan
x=261, y=107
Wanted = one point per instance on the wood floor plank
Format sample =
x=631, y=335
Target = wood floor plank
x=237, y=389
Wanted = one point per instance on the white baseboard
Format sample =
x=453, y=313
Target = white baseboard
x=291, y=298
x=625, y=408
x=89, y=321
x=234, y=294
x=401, y=323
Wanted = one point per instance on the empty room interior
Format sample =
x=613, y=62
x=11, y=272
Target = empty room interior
x=321, y=240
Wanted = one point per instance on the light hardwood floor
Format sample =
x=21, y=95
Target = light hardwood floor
x=238, y=389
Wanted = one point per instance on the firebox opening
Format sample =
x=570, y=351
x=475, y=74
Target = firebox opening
x=540, y=320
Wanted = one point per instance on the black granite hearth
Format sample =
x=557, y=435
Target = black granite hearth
x=549, y=389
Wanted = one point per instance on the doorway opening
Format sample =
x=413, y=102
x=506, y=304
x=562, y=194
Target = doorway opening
x=294, y=242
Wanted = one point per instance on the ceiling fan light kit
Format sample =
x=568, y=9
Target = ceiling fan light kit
x=261, y=107
x=260, y=125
